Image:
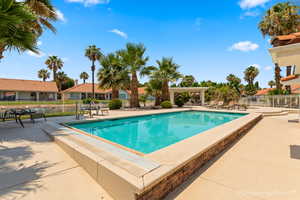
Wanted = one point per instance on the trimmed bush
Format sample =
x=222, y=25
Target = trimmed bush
x=89, y=100
x=179, y=101
x=115, y=104
x=166, y=104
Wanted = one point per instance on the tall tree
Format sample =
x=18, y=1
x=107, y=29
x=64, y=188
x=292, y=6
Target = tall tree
x=167, y=71
x=234, y=82
x=133, y=56
x=54, y=63
x=93, y=53
x=84, y=76
x=61, y=78
x=249, y=75
x=113, y=74
x=43, y=74
x=281, y=19
x=45, y=12
x=226, y=94
x=153, y=88
x=16, y=30
x=188, y=81
x=271, y=84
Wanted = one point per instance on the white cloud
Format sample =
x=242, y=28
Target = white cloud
x=268, y=68
x=39, y=43
x=244, y=46
x=39, y=55
x=60, y=16
x=87, y=3
x=120, y=33
x=247, y=4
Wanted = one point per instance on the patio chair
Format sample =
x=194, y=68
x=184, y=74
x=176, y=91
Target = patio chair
x=220, y=105
x=4, y=115
x=211, y=105
x=100, y=108
x=37, y=113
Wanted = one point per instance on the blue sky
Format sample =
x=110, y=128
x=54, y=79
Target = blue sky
x=208, y=39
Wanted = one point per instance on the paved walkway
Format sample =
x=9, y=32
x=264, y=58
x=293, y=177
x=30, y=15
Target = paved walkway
x=34, y=168
x=263, y=165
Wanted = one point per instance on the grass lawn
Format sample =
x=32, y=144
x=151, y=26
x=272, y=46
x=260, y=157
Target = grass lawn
x=13, y=103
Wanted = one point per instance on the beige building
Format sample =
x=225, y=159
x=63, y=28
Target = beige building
x=83, y=91
x=27, y=90
x=286, y=54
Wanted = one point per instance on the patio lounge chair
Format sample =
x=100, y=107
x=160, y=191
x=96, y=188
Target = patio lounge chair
x=37, y=113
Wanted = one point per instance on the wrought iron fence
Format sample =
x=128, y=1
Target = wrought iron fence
x=283, y=101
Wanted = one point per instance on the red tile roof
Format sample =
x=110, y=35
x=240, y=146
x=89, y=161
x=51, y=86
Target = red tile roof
x=288, y=78
x=27, y=85
x=295, y=89
x=263, y=91
x=85, y=88
x=282, y=40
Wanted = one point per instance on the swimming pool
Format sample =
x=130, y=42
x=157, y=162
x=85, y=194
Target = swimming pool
x=150, y=133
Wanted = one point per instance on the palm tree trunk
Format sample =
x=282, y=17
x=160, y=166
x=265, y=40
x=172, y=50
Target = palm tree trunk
x=277, y=77
x=134, y=99
x=165, y=91
x=114, y=93
x=2, y=48
x=157, y=99
x=54, y=75
x=83, y=81
x=93, y=81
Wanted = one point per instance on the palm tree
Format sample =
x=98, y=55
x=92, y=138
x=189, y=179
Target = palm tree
x=45, y=13
x=281, y=19
x=113, y=74
x=249, y=75
x=226, y=94
x=153, y=88
x=187, y=81
x=43, y=74
x=61, y=78
x=234, y=82
x=54, y=63
x=271, y=84
x=84, y=76
x=16, y=30
x=167, y=71
x=93, y=53
x=134, y=58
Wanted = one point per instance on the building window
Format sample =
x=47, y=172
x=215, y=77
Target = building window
x=9, y=96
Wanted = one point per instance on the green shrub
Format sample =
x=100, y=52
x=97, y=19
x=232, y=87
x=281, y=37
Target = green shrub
x=89, y=100
x=115, y=104
x=166, y=104
x=179, y=101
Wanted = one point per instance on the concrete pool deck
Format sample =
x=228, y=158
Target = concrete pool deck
x=248, y=170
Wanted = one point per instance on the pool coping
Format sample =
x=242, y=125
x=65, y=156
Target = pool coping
x=163, y=163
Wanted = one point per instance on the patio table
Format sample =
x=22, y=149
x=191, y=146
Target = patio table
x=21, y=112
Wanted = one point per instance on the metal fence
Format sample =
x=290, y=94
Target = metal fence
x=283, y=101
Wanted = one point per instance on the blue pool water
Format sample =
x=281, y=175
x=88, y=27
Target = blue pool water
x=147, y=134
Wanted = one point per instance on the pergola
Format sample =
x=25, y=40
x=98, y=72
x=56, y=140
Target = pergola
x=200, y=90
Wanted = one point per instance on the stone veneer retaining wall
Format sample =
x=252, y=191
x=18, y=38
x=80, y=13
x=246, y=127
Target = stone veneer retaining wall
x=169, y=183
